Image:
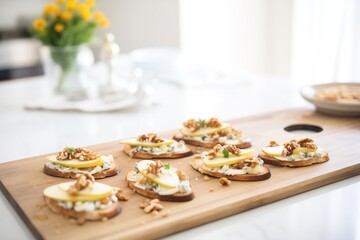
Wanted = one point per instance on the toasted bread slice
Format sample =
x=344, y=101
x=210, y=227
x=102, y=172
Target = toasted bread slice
x=297, y=163
x=178, y=197
x=179, y=136
x=171, y=155
x=96, y=215
x=107, y=173
x=196, y=164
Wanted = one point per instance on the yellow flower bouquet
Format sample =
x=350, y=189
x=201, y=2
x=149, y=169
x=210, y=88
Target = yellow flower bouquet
x=66, y=25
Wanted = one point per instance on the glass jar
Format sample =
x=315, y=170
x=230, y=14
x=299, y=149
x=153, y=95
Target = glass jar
x=66, y=69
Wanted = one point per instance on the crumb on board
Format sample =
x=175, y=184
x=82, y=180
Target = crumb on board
x=206, y=178
x=224, y=181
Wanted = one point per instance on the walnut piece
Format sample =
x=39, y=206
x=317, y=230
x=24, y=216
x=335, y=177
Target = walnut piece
x=307, y=143
x=150, y=137
x=233, y=149
x=120, y=194
x=239, y=165
x=289, y=147
x=82, y=154
x=214, y=123
x=224, y=181
x=213, y=152
x=182, y=175
x=155, y=168
x=194, y=125
x=84, y=180
x=150, y=206
x=252, y=162
x=273, y=143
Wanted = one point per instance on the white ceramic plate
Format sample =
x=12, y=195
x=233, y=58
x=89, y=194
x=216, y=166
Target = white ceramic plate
x=334, y=108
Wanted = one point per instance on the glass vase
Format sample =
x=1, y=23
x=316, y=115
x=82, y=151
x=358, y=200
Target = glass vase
x=66, y=70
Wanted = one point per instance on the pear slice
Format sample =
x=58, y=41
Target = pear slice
x=99, y=189
x=57, y=193
x=134, y=142
x=243, y=153
x=75, y=163
x=301, y=149
x=203, y=131
x=273, y=151
x=169, y=180
x=220, y=161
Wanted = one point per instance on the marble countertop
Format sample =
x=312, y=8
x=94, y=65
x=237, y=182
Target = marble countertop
x=330, y=212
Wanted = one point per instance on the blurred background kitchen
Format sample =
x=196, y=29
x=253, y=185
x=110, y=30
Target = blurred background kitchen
x=303, y=40
x=172, y=60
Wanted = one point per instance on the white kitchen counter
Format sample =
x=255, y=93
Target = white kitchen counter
x=330, y=212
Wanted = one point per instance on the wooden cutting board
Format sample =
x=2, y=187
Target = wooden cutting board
x=23, y=182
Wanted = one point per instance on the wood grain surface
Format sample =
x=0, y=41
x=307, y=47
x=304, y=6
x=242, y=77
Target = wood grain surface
x=23, y=182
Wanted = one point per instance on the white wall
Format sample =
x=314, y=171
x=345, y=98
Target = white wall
x=143, y=23
x=238, y=35
x=12, y=10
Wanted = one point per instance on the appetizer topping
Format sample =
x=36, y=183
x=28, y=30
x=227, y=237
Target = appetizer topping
x=290, y=147
x=194, y=125
x=273, y=143
x=224, y=151
x=77, y=166
x=229, y=160
x=173, y=147
x=82, y=154
x=85, y=180
x=155, y=167
x=294, y=150
x=225, y=155
x=224, y=181
x=160, y=178
x=213, y=123
x=150, y=137
x=65, y=192
x=307, y=143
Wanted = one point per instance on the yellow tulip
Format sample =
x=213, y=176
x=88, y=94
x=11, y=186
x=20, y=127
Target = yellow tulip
x=51, y=9
x=66, y=15
x=71, y=4
x=39, y=24
x=104, y=23
x=90, y=3
x=98, y=16
x=59, y=27
x=101, y=19
x=84, y=11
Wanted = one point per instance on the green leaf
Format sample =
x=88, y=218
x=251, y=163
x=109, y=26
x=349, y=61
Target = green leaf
x=70, y=149
x=167, y=166
x=226, y=153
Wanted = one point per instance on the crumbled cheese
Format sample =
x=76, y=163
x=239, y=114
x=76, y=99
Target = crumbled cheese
x=87, y=206
x=235, y=172
x=184, y=186
x=107, y=165
x=302, y=156
x=174, y=147
x=84, y=206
